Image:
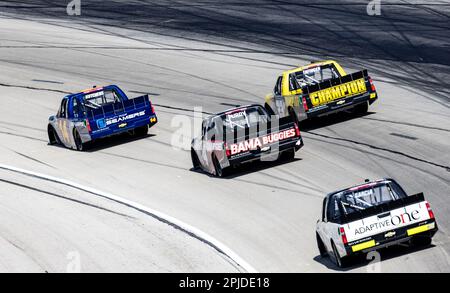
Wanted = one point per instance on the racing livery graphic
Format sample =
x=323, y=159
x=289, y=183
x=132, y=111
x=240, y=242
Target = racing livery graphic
x=98, y=113
x=242, y=135
x=320, y=89
x=372, y=216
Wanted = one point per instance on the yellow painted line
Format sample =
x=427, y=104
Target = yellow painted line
x=363, y=245
x=420, y=229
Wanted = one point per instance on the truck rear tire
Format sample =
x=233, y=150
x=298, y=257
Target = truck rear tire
x=220, y=172
x=362, y=108
x=288, y=155
x=421, y=241
x=195, y=160
x=78, y=142
x=141, y=131
x=322, y=250
x=341, y=262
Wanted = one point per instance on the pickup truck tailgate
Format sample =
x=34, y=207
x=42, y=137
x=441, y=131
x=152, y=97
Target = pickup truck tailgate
x=393, y=216
x=338, y=92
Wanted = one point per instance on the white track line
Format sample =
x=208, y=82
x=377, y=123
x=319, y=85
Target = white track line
x=190, y=230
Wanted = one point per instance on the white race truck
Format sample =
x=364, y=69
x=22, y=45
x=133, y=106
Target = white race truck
x=371, y=216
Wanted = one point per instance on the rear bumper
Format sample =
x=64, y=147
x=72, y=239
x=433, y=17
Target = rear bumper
x=295, y=143
x=342, y=104
x=393, y=237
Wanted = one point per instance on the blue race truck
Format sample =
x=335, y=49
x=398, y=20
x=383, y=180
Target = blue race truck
x=97, y=113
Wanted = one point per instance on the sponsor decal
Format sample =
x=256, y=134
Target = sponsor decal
x=123, y=125
x=124, y=117
x=261, y=142
x=390, y=234
x=394, y=221
x=337, y=92
x=101, y=123
x=153, y=119
x=311, y=71
x=94, y=95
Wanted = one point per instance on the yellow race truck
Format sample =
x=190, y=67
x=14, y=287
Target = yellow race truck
x=320, y=89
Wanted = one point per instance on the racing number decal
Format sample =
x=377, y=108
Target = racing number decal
x=64, y=130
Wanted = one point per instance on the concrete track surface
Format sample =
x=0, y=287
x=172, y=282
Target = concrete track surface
x=188, y=54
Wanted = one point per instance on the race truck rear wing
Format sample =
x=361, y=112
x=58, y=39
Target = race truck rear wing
x=382, y=208
x=120, y=116
x=336, y=93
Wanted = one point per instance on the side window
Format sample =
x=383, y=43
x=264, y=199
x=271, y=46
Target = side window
x=203, y=129
x=76, y=108
x=211, y=133
x=277, y=88
x=63, y=109
x=333, y=210
x=293, y=84
x=324, y=207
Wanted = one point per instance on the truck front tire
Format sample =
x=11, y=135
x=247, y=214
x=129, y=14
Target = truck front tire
x=52, y=136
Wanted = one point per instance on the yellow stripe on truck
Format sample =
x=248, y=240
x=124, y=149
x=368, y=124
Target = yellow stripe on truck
x=336, y=92
x=363, y=245
x=420, y=229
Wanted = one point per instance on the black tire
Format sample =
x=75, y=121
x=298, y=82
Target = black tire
x=218, y=169
x=341, y=262
x=78, y=142
x=322, y=250
x=269, y=109
x=289, y=155
x=362, y=108
x=53, y=138
x=141, y=131
x=421, y=241
x=195, y=160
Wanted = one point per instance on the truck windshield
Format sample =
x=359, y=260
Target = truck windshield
x=365, y=196
x=100, y=98
x=243, y=118
x=312, y=76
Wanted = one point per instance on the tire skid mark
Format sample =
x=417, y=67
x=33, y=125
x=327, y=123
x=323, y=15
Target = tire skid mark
x=63, y=197
x=406, y=124
x=447, y=168
x=33, y=159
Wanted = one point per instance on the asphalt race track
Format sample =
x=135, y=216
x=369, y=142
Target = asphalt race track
x=188, y=54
